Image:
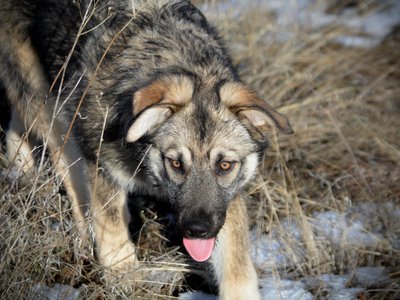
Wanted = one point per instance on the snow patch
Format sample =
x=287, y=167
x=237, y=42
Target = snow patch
x=340, y=229
x=57, y=292
x=358, y=226
x=278, y=250
x=273, y=288
x=11, y=174
x=334, y=286
x=362, y=226
x=370, y=276
x=368, y=30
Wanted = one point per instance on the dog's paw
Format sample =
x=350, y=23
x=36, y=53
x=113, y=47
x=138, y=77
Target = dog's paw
x=248, y=290
x=122, y=279
x=120, y=268
x=254, y=295
x=119, y=257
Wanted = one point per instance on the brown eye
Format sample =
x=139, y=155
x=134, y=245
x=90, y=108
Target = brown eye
x=225, y=166
x=176, y=164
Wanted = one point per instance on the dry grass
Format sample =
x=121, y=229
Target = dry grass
x=344, y=106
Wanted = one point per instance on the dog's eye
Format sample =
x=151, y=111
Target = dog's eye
x=176, y=164
x=225, y=166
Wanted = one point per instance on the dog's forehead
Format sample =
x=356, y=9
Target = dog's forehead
x=207, y=132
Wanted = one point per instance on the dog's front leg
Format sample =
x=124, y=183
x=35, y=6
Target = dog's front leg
x=19, y=150
x=235, y=272
x=115, y=249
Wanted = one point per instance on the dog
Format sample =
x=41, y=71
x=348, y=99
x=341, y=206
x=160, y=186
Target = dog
x=139, y=96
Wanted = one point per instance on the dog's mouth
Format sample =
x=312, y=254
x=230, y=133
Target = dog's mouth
x=199, y=233
x=199, y=249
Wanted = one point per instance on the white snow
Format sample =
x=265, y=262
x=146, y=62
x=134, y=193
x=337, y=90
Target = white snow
x=273, y=288
x=334, y=286
x=57, y=292
x=273, y=251
x=365, y=30
x=339, y=230
x=11, y=174
x=368, y=276
x=268, y=252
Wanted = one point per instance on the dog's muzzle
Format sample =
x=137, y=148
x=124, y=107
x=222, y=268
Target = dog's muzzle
x=196, y=227
x=199, y=236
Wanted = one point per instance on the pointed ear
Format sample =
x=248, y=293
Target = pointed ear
x=256, y=114
x=155, y=103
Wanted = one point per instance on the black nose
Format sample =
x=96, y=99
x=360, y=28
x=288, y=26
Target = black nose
x=196, y=227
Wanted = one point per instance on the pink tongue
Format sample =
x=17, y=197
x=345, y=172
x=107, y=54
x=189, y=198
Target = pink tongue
x=199, y=250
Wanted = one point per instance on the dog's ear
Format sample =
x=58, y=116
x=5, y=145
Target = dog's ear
x=155, y=103
x=256, y=114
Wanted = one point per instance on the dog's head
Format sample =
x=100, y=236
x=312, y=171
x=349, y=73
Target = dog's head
x=206, y=143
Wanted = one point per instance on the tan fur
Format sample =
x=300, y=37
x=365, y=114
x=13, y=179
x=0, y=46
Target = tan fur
x=19, y=150
x=242, y=100
x=30, y=69
x=173, y=91
x=111, y=219
x=28, y=62
x=231, y=258
x=157, y=102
